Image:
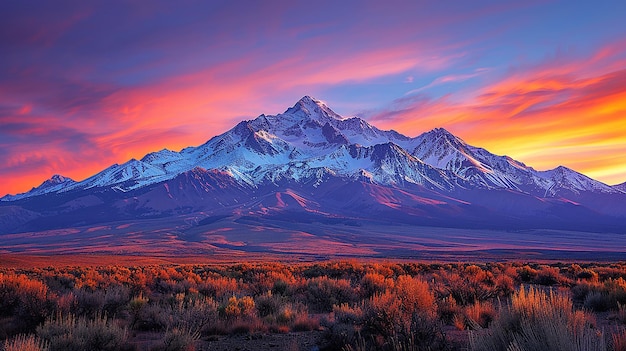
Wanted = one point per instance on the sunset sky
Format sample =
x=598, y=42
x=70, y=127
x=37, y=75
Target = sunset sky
x=85, y=84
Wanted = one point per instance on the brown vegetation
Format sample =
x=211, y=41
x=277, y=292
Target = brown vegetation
x=353, y=306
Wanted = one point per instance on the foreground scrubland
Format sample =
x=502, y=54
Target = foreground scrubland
x=333, y=305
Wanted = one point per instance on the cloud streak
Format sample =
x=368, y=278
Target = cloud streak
x=571, y=113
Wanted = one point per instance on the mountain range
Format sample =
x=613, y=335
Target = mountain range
x=311, y=165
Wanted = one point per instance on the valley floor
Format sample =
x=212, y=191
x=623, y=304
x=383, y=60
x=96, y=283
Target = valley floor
x=235, y=239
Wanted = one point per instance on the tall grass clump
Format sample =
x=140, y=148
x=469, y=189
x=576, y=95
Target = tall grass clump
x=25, y=343
x=537, y=321
x=621, y=313
x=618, y=341
x=69, y=333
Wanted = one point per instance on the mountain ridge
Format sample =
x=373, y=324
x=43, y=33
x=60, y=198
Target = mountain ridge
x=310, y=132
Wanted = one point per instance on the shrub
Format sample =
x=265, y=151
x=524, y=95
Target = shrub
x=374, y=283
x=66, y=303
x=424, y=334
x=587, y=274
x=303, y=322
x=405, y=317
x=135, y=309
x=480, y=314
x=616, y=288
x=177, y=340
x=151, y=317
x=25, y=343
x=27, y=300
x=547, y=276
x=89, y=303
x=323, y=293
x=267, y=304
x=186, y=313
x=526, y=273
x=196, y=314
x=286, y=314
x=345, y=313
x=601, y=296
x=471, y=285
x=448, y=309
x=597, y=301
x=415, y=295
x=504, y=285
x=280, y=287
x=383, y=314
x=340, y=336
x=459, y=321
x=75, y=334
x=218, y=287
x=237, y=308
x=581, y=290
x=109, y=301
x=537, y=321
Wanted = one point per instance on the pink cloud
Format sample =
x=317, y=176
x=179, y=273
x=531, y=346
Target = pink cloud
x=571, y=113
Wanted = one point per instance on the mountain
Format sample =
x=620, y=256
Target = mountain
x=620, y=187
x=311, y=165
x=563, y=180
x=55, y=184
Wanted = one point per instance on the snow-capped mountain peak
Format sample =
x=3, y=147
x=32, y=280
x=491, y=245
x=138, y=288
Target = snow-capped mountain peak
x=565, y=179
x=56, y=179
x=54, y=184
x=313, y=108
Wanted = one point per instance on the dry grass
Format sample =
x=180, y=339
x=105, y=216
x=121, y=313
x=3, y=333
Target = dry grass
x=618, y=340
x=480, y=314
x=72, y=333
x=539, y=321
x=621, y=313
x=25, y=343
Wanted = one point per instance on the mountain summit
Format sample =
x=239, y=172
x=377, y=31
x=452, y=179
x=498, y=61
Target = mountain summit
x=313, y=108
x=311, y=148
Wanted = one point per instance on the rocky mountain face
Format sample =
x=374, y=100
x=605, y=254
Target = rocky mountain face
x=311, y=162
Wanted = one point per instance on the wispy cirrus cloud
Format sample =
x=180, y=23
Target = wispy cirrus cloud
x=572, y=111
x=449, y=78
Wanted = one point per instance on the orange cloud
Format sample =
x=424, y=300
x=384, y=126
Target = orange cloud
x=571, y=113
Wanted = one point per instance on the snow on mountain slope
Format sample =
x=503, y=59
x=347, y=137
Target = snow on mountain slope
x=621, y=187
x=124, y=177
x=479, y=167
x=563, y=179
x=168, y=160
x=386, y=164
x=55, y=184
